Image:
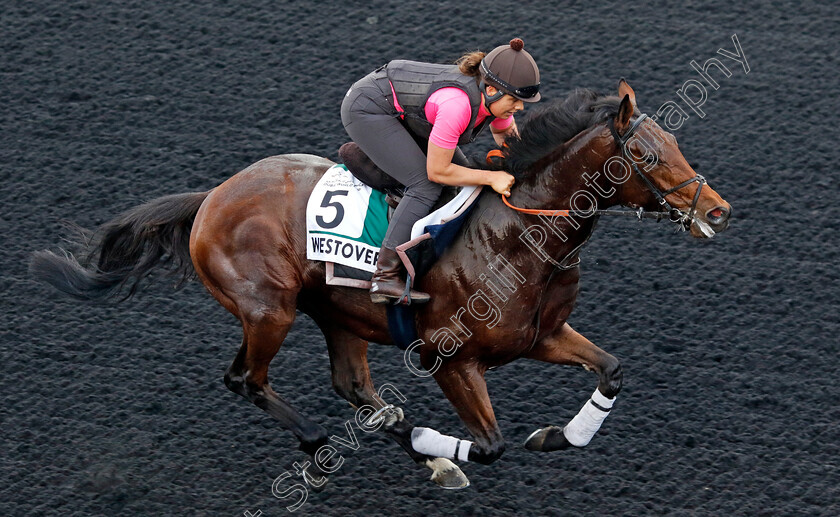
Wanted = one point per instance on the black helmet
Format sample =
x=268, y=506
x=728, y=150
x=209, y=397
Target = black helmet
x=511, y=70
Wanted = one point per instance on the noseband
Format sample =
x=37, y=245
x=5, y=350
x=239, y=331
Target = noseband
x=683, y=219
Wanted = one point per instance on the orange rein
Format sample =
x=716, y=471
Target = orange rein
x=532, y=211
x=494, y=157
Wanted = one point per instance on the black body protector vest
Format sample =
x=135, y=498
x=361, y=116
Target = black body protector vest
x=414, y=82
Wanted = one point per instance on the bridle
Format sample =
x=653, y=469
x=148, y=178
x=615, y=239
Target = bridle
x=682, y=219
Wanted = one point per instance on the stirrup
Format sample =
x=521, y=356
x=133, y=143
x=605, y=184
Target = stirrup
x=406, y=299
x=406, y=296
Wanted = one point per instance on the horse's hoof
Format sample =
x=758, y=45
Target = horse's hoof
x=547, y=439
x=447, y=475
x=315, y=480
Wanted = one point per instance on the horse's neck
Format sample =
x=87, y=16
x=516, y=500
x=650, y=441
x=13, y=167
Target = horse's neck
x=571, y=174
x=567, y=179
x=530, y=242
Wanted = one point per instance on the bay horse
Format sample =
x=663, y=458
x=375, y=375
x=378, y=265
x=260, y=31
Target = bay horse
x=245, y=240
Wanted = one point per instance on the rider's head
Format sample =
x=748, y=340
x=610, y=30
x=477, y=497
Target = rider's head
x=507, y=69
x=510, y=70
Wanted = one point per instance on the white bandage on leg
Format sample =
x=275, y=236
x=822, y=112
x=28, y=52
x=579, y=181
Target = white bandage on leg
x=587, y=422
x=428, y=441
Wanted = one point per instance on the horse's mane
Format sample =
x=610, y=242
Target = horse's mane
x=555, y=123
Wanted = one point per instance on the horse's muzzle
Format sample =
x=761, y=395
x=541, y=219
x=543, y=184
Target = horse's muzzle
x=718, y=218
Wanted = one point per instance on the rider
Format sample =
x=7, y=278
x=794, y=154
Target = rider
x=410, y=117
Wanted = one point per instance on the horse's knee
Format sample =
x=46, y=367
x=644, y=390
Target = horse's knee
x=611, y=377
x=487, y=454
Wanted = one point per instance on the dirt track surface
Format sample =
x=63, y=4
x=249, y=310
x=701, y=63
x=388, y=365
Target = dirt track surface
x=729, y=347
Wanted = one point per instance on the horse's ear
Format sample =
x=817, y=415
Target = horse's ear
x=625, y=112
x=624, y=89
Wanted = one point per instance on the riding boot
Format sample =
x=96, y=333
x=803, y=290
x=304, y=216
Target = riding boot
x=387, y=284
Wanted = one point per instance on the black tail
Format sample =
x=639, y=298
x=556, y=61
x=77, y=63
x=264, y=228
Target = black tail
x=124, y=250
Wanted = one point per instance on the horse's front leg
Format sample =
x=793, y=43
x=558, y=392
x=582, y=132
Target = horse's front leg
x=463, y=384
x=565, y=346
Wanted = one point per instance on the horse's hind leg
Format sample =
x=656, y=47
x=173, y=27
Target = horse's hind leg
x=351, y=379
x=566, y=346
x=264, y=331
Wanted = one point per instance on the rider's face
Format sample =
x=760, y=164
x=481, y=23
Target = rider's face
x=506, y=106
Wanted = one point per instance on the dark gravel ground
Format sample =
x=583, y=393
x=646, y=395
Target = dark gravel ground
x=729, y=346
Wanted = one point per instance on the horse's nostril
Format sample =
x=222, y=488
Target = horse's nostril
x=717, y=215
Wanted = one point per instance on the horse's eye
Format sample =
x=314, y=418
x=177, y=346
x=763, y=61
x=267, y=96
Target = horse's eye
x=651, y=159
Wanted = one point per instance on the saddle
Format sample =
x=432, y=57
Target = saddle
x=363, y=168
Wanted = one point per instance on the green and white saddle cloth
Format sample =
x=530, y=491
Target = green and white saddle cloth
x=346, y=221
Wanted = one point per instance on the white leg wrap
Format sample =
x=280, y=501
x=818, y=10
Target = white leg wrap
x=587, y=422
x=428, y=441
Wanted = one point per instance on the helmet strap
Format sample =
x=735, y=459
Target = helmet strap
x=490, y=99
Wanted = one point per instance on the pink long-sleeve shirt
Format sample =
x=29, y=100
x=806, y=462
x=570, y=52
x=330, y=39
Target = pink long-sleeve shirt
x=448, y=110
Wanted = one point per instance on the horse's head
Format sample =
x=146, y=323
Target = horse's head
x=657, y=176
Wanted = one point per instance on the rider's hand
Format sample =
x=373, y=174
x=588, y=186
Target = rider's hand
x=501, y=182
